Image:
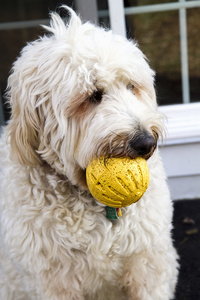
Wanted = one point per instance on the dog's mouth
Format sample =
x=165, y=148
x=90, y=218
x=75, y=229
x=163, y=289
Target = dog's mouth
x=140, y=146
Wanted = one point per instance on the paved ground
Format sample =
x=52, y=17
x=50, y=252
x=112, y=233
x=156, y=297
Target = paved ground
x=187, y=242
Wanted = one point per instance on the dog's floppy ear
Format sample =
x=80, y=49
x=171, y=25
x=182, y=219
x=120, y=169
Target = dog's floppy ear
x=23, y=127
x=35, y=73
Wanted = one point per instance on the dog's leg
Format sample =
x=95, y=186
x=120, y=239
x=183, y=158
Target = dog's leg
x=152, y=275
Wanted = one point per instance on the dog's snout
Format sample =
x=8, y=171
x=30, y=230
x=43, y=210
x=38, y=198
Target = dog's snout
x=143, y=145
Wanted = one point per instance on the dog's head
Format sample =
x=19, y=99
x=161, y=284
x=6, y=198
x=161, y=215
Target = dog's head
x=81, y=92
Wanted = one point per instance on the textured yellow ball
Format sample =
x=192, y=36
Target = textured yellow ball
x=117, y=182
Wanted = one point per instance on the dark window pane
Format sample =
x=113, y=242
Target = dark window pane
x=13, y=40
x=128, y=3
x=158, y=37
x=193, y=24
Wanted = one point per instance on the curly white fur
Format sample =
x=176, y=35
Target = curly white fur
x=56, y=243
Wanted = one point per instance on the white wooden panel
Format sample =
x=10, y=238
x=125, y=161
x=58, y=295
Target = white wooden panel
x=181, y=160
x=181, y=150
x=117, y=17
x=187, y=187
x=183, y=123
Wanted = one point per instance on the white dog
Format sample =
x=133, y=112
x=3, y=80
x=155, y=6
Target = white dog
x=77, y=93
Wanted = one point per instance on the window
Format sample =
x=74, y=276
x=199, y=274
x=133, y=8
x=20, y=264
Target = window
x=167, y=32
x=19, y=24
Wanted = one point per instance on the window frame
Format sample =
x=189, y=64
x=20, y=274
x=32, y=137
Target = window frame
x=117, y=10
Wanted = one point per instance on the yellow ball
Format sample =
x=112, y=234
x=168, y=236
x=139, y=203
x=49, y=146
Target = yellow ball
x=117, y=182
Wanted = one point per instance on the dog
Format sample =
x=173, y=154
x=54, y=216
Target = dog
x=77, y=93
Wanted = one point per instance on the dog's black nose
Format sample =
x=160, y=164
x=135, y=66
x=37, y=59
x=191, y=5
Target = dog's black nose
x=143, y=145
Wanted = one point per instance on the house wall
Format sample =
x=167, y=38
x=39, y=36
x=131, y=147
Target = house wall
x=181, y=150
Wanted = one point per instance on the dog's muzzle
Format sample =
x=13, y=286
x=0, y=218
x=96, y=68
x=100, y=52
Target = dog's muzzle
x=142, y=144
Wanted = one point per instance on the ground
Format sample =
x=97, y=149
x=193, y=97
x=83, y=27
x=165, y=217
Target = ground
x=186, y=236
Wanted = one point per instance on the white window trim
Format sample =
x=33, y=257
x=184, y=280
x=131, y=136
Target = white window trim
x=117, y=19
x=180, y=151
x=182, y=123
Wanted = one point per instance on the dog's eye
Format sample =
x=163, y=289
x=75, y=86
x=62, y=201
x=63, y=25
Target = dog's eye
x=96, y=97
x=130, y=86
